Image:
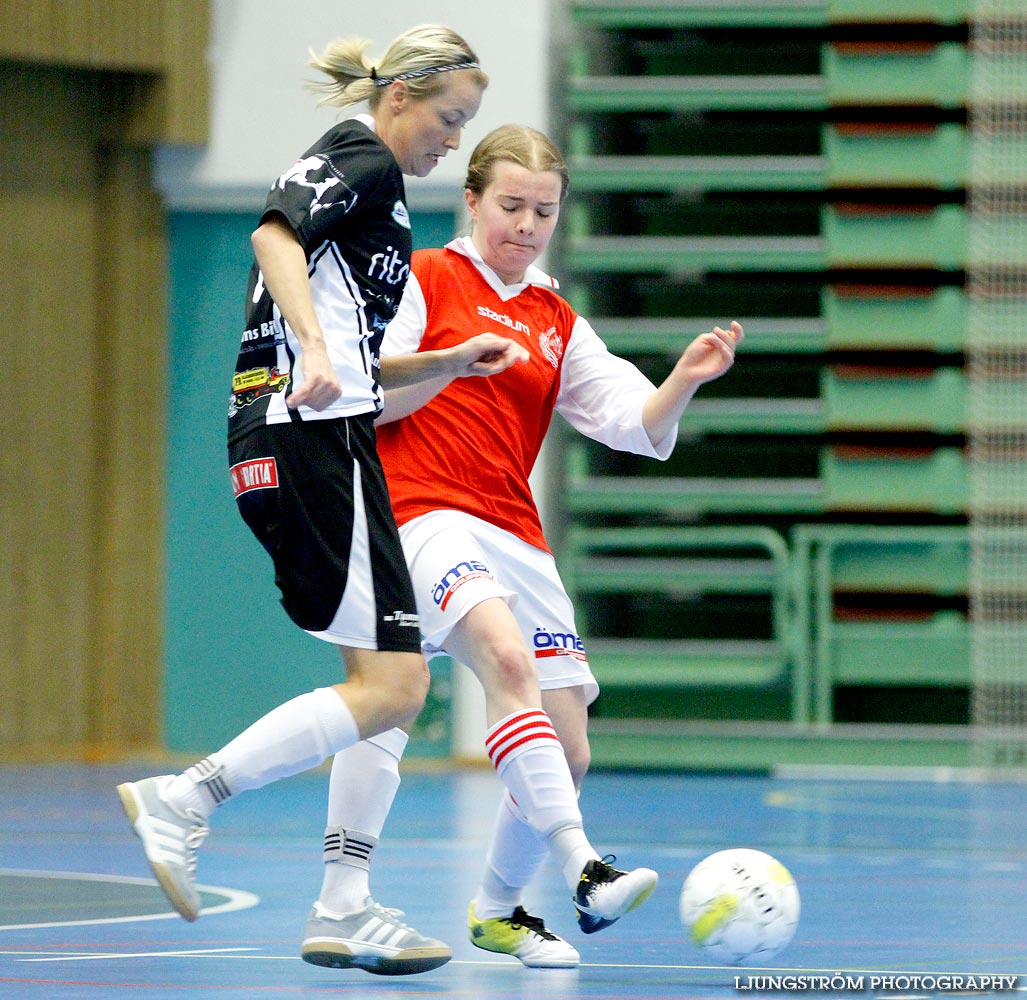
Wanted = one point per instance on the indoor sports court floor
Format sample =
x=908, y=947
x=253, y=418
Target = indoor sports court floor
x=900, y=876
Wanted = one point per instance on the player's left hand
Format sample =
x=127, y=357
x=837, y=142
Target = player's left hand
x=487, y=354
x=711, y=354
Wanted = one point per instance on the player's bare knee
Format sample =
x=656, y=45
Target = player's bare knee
x=399, y=685
x=409, y=689
x=514, y=669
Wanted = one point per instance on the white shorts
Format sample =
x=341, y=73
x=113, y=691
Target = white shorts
x=457, y=561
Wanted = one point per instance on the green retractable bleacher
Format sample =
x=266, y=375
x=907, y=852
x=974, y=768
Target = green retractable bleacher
x=789, y=587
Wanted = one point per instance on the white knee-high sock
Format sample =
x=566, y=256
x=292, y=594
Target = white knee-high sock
x=291, y=738
x=528, y=756
x=514, y=857
x=364, y=781
x=363, y=784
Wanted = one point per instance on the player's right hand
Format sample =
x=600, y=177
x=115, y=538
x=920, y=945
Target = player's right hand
x=488, y=354
x=320, y=386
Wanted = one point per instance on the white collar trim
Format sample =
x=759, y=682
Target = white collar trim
x=532, y=276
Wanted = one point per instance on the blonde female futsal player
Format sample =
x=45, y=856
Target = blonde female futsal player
x=457, y=456
x=332, y=258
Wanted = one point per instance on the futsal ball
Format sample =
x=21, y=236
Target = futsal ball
x=740, y=905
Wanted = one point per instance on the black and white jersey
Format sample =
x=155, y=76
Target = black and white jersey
x=345, y=200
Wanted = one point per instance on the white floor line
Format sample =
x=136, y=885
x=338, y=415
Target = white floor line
x=180, y=953
x=235, y=899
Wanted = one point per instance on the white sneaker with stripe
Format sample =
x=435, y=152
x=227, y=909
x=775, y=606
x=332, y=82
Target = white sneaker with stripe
x=170, y=839
x=373, y=939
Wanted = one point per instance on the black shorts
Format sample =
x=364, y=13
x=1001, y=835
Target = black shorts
x=314, y=494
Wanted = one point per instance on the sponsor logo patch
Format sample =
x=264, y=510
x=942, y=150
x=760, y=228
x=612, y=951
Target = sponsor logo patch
x=513, y=324
x=388, y=267
x=253, y=383
x=548, y=644
x=256, y=474
x=400, y=215
x=455, y=578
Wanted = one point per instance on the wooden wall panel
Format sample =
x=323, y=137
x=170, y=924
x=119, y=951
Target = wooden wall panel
x=186, y=78
x=126, y=685
x=116, y=34
x=48, y=432
x=161, y=43
x=86, y=89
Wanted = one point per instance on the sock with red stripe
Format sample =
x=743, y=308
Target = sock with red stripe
x=528, y=756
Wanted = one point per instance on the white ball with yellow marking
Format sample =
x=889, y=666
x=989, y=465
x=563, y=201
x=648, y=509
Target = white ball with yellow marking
x=740, y=905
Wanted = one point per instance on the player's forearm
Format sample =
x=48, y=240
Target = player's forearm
x=662, y=411
x=402, y=402
x=401, y=370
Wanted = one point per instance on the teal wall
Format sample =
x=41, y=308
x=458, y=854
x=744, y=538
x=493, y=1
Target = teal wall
x=231, y=652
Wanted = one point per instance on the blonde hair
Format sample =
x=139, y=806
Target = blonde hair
x=520, y=144
x=420, y=57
